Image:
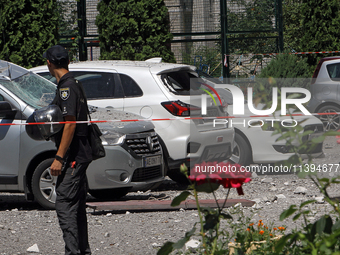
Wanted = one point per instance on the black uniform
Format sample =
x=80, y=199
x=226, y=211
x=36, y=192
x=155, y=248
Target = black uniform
x=71, y=184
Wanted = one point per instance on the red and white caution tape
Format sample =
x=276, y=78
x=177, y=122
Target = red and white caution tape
x=291, y=53
x=165, y=119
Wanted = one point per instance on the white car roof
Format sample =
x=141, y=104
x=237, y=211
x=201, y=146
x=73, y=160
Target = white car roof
x=119, y=65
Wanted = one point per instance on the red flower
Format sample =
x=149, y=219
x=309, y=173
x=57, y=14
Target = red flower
x=226, y=174
x=199, y=179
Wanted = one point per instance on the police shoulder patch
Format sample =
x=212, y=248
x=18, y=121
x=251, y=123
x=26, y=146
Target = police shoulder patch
x=64, y=93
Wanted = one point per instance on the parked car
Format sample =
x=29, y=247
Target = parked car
x=259, y=145
x=325, y=90
x=133, y=154
x=161, y=91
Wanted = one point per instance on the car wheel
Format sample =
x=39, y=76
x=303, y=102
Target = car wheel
x=109, y=194
x=330, y=122
x=241, y=152
x=44, y=184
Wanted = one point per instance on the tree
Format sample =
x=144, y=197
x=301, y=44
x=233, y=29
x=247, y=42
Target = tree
x=291, y=71
x=312, y=25
x=134, y=30
x=292, y=22
x=286, y=66
x=256, y=16
x=27, y=29
x=321, y=21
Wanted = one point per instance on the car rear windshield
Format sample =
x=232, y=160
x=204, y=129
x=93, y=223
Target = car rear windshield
x=182, y=82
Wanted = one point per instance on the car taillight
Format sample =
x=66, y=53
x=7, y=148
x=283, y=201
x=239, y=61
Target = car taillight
x=181, y=109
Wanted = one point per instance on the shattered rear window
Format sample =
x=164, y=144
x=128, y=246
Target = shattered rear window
x=182, y=82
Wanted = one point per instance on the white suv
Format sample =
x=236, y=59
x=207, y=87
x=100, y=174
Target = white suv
x=161, y=92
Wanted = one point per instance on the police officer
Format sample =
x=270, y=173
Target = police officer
x=73, y=154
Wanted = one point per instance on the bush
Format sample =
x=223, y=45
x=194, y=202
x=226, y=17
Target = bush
x=134, y=30
x=27, y=29
x=286, y=66
x=292, y=71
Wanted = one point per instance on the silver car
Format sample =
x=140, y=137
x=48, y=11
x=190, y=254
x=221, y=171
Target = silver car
x=133, y=153
x=325, y=90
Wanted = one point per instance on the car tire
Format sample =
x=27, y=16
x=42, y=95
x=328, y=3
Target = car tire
x=44, y=184
x=109, y=194
x=330, y=122
x=241, y=153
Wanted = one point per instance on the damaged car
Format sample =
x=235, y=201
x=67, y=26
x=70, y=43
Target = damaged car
x=133, y=161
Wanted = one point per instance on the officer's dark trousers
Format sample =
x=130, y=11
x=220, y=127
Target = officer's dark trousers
x=71, y=209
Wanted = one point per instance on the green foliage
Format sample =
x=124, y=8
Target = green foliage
x=286, y=66
x=320, y=237
x=27, y=29
x=207, y=59
x=292, y=71
x=312, y=25
x=321, y=21
x=254, y=16
x=210, y=218
x=68, y=25
x=134, y=30
x=254, y=238
x=292, y=22
x=250, y=15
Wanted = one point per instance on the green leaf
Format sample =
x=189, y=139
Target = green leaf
x=296, y=216
x=336, y=226
x=282, y=243
x=180, y=198
x=312, y=228
x=320, y=225
x=207, y=187
x=331, y=133
x=319, y=139
x=307, y=132
x=226, y=216
x=325, y=180
x=179, y=244
x=306, y=203
x=208, y=210
x=211, y=220
x=285, y=214
x=329, y=225
x=166, y=249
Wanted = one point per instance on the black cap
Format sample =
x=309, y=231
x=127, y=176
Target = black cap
x=57, y=55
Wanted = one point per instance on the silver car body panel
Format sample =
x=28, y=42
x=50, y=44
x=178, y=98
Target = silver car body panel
x=324, y=89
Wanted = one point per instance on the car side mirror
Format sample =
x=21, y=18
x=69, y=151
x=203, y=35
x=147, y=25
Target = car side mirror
x=6, y=109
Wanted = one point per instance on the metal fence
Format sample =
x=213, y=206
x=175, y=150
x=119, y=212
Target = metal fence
x=220, y=37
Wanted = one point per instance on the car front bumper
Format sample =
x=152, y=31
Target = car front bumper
x=119, y=169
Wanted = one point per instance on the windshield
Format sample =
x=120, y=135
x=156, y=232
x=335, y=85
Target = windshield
x=29, y=87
